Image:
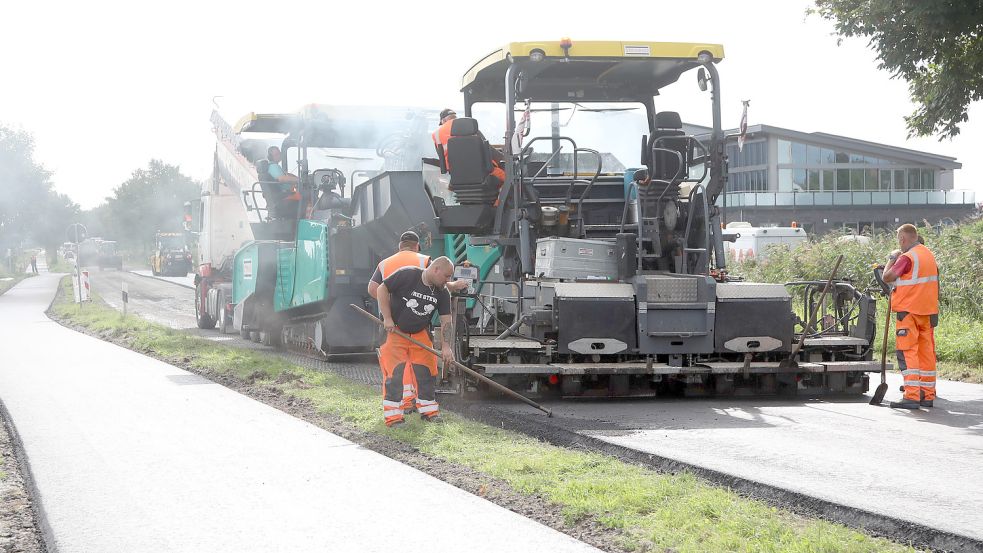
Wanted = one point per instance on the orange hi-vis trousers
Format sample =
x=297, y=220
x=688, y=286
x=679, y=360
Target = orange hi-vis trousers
x=915, y=348
x=397, y=357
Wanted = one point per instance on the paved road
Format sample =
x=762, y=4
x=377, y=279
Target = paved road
x=843, y=451
x=923, y=466
x=131, y=455
x=152, y=298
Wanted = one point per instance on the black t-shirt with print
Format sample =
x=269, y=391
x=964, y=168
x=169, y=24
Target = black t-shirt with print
x=412, y=302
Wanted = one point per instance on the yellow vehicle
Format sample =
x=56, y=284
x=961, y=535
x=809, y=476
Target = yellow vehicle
x=171, y=256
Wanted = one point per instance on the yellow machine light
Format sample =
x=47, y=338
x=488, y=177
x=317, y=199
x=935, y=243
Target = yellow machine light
x=566, y=43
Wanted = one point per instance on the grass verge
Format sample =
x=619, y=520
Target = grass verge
x=649, y=511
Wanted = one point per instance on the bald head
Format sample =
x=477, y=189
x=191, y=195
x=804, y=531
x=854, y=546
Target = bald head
x=907, y=236
x=440, y=271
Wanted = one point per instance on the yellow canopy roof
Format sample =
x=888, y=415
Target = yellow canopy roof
x=589, y=70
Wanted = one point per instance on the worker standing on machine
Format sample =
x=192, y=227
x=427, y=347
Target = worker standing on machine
x=915, y=299
x=407, y=300
x=443, y=134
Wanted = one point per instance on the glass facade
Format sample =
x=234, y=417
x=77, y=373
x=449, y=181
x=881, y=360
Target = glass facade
x=808, y=168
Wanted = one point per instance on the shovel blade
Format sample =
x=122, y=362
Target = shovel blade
x=879, y=394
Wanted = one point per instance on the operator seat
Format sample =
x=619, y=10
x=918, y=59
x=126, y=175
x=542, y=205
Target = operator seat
x=669, y=125
x=468, y=160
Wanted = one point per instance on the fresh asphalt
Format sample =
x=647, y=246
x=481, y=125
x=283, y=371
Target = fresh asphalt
x=130, y=454
x=840, y=450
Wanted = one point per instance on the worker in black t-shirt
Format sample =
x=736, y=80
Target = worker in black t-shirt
x=407, y=300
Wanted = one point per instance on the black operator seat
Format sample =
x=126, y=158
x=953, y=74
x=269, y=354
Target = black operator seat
x=669, y=126
x=468, y=160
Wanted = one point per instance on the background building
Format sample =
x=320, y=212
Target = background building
x=825, y=182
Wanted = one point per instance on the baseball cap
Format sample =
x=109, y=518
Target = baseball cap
x=445, y=112
x=409, y=236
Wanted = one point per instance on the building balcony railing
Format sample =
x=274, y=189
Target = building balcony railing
x=871, y=198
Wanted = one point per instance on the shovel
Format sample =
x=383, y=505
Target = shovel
x=463, y=367
x=882, y=387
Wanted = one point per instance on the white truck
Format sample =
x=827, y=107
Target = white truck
x=754, y=242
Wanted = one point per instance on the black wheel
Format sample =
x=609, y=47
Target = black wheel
x=256, y=336
x=271, y=337
x=224, y=323
x=244, y=332
x=204, y=320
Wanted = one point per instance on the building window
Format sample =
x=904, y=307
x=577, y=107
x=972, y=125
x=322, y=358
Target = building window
x=828, y=156
x=814, y=185
x=928, y=179
x=784, y=151
x=914, y=179
x=856, y=179
x=829, y=180
x=870, y=179
x=899, y=182
x=843, y=180
x=885, y=180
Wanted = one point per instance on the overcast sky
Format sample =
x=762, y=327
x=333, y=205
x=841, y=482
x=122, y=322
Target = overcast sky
x=106, y=86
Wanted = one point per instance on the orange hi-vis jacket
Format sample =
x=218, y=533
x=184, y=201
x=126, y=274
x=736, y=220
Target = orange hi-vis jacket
x=917, y=291
x=440, y=138
x=398, y=260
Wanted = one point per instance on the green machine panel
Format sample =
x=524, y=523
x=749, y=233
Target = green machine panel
x=251, y=264
x=302, y=268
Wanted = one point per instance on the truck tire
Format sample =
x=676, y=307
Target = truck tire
x=203, y=319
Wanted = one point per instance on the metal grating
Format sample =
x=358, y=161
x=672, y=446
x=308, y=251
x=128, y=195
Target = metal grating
x=671, y=289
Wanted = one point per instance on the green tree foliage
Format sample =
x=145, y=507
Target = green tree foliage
x=937, y=47
x=31, y=212
x=151, y=199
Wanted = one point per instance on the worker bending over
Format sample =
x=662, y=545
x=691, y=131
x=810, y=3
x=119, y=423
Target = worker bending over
x=407, y=300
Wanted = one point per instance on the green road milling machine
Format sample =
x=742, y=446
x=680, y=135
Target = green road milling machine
x=602, y=268
x=349, y=184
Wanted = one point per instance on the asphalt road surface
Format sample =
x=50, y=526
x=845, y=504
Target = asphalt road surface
x=130, y=454
x=923, y=466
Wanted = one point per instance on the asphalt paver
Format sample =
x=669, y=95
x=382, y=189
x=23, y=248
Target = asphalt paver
x=132, y=454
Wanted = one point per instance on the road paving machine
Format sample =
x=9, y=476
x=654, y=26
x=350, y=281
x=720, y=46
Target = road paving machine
x=603, y=270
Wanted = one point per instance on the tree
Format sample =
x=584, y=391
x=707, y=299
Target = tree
x=151, y=199
x=937, y=47
x=30, y=210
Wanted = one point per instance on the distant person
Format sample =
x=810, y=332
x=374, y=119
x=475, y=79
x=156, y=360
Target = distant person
x=408, y=300
x=408, y=255
x=34, y=264
x=915, y=299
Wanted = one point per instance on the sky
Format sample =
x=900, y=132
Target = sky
x=106, y=86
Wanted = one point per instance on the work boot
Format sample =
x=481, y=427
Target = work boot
x=409, y=410
x=434, y=419
x=394, y=424
x=905, y=404
x=925, y=403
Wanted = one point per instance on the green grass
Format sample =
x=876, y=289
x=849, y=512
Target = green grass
x=15, y=278
x=653, y=511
